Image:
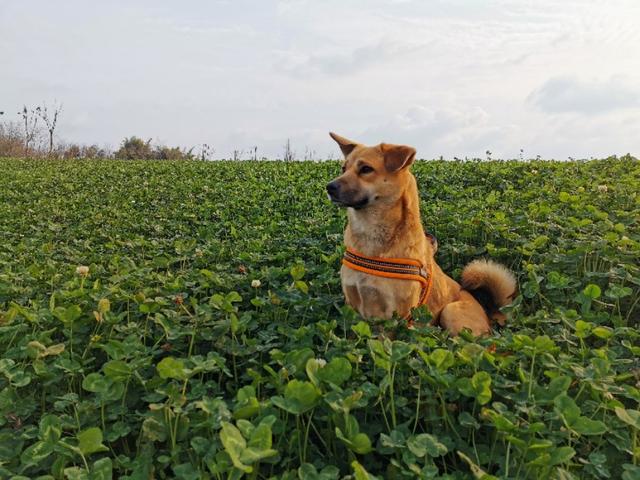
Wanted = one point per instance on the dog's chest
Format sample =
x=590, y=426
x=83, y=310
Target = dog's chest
x=374, y=296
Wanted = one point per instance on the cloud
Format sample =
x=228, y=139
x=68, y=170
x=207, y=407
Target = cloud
x=200, y=27
x=570, y=94
x=452, y=131
x=341, y=62
x=450, y=78
x=437, y=121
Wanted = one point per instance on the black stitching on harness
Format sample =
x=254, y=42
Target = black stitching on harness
x=349, y=255
x=388, y=267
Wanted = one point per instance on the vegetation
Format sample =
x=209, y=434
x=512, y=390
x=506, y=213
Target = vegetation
x=135, y=148
x=185, y=320
x=33, y=137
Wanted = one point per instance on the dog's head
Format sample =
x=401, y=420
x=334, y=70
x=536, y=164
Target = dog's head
x=370, y=175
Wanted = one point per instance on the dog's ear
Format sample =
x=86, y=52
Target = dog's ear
x=397, y=157
x=345, y=144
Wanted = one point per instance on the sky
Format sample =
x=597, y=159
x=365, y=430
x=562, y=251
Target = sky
x=453, y=78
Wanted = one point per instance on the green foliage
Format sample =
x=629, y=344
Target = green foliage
x=206, y=337
x=134, y=148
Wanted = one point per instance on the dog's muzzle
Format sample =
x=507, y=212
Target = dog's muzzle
x=344, y=198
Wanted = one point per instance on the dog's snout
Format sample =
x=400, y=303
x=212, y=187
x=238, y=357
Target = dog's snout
x=332, y=188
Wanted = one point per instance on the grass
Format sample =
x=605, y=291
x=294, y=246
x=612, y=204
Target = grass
x=208, y=338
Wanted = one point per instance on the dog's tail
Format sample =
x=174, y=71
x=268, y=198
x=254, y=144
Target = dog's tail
x=492, y=284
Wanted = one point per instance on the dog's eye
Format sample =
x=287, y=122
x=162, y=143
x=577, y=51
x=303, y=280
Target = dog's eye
x=365, y=169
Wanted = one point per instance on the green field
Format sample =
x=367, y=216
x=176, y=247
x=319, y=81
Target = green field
x=208, y=338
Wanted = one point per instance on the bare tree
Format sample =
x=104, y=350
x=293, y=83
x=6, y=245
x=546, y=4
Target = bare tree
x=288, y=153
x=237, y=154
x=206, y=151
x=309, y=154
x=50, y=119
x=30, y=122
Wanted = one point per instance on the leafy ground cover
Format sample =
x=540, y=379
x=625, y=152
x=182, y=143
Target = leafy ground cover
x=184, y=320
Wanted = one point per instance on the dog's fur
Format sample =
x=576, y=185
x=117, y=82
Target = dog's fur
x=381, y=196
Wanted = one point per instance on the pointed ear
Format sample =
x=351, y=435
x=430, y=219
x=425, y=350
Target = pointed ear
x=397, y=157
x=345, y=144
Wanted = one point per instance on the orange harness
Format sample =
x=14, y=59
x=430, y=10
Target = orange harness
x=400, y=268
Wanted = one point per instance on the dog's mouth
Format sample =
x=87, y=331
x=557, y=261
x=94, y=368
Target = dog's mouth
x=356, y=205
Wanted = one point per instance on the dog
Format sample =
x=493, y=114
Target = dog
x=384, y=233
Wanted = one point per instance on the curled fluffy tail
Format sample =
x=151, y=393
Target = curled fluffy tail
x=492, y=284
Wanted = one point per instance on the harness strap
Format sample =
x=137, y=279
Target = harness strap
x=399, y=268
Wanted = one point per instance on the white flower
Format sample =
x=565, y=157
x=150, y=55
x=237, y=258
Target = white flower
x=256, y=283
x=82, y=270
x=603, y=188
x=321, y=361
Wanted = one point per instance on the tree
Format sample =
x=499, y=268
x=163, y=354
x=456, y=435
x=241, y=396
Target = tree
x=94, y=151
x=288, y=153
x=162, y=152
x=50, y=120
x=309, y=154
x=206, y=151
x=134, y=148
x=237, y=154
x=30, y=122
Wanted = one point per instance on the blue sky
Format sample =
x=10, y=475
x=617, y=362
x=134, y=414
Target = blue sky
x=452, y=78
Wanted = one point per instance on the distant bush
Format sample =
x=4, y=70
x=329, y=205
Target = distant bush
x=75, y=151
x=172, y=153
x=12, y=144
x=11, y=140
x=134, y=148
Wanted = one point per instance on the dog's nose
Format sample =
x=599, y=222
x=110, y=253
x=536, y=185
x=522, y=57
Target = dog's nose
x=332, y=188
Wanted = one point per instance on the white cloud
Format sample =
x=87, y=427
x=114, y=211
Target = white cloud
x=344, y=62
x=452, y=131
x=570, y=94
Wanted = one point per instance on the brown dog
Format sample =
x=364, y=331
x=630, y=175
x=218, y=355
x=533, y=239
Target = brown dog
x=381, y=197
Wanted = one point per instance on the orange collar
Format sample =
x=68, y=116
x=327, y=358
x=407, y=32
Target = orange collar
x=400, y=268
